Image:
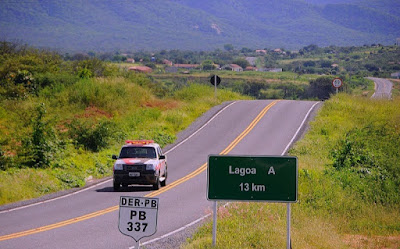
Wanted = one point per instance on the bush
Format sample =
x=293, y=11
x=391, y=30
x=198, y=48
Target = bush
x=90, y=68
x=50, y=79
x=321, y=88
x=40, y=148
x=91, y=136
x=4, y=160
x=363, y=161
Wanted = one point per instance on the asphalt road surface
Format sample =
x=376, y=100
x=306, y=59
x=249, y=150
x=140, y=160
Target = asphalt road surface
x=89, y=218
x=383, y=88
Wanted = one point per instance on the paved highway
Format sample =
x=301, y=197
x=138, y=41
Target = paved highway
x=89, y=218
x=383, y=88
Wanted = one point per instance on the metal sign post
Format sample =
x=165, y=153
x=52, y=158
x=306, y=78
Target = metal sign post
x=138, y=217
x=214, y=236
x=252, y=178
x=288, y=216
x=215, y=87
x=215, y=80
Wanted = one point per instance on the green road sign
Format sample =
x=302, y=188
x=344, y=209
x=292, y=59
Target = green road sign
x=252, y=178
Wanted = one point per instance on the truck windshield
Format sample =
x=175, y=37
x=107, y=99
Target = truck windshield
x=137, y=152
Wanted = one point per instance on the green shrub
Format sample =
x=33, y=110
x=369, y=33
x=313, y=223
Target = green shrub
x=91, y=136
x=4, y=160
x=40, y=147
x=51, y=79
x=90, y=68
x=363, y=162
x=321, y=88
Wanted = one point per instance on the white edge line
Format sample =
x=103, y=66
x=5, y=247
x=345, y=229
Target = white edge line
x=207, y=215
x=179, y=229
x=175, y=231
x=96, y=185
x=201, y=218
x=54, y=199
x=298, y=130
x=202, y=127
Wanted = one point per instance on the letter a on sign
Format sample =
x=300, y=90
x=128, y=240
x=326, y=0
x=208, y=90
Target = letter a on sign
x=271, y=171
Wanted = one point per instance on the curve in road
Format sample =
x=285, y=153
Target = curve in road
x=89, y=220
x=383, y=88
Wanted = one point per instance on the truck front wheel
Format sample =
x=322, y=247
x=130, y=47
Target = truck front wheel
x=116, y=185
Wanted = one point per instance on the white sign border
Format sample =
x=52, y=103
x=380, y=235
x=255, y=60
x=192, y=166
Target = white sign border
x=142, y=198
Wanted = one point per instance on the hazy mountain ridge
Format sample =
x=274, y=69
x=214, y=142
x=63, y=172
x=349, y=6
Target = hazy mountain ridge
x=199, y=25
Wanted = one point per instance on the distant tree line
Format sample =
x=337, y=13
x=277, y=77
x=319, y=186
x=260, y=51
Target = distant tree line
x=372, y=59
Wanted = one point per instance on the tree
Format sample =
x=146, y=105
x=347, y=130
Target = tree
x=309, y=64
x=40, y=147
x=228, y=47
x=326, y=63
x=321, y=88
x=207, y=65
x=246, y=50
x=241, y=62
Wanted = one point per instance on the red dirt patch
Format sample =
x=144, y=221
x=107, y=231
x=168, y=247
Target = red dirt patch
x=162, y=104
x=94, y=112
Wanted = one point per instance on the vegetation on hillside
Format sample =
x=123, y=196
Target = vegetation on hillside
x=60, y=121
x=105, y=25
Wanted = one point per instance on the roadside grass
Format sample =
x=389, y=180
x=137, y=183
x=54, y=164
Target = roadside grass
x=364, y=90
x=86, y=122
x=396, y=87
x=351, y=204
x=248, y=76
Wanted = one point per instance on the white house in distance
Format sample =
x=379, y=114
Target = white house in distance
x=232, y=67
x=395, y=75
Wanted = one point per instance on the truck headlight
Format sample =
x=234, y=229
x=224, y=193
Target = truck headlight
x=150, y=167
x=118, y=166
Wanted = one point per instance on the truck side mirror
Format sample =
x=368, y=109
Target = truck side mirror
x=162, y=157
x=114, y=157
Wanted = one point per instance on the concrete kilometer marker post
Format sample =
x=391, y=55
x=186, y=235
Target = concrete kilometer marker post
x=252, y=178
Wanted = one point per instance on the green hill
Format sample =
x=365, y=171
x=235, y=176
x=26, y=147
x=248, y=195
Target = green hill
x=197, y=25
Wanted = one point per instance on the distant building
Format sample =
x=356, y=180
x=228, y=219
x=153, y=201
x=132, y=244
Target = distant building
x=232, y=67
x=398, y=41
x=249, y=68
x=395, y=75
x=167, y=62
x=251, y=60
x=261, y=51
x=141, y=69
x=130, y=60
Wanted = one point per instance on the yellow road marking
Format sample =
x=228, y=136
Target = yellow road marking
x=152, y=194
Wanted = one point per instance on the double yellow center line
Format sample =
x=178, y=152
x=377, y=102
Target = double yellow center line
x=152, y=194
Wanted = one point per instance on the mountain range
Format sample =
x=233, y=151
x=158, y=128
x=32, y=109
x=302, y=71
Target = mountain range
x=132, y=25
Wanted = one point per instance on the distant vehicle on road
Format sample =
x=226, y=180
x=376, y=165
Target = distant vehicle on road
x=140, y=162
